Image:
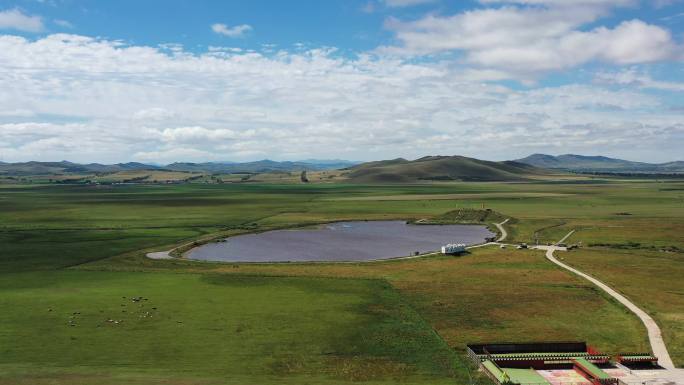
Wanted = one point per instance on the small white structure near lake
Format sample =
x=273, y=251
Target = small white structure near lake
x=454, y=248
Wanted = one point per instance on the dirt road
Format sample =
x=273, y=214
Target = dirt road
x=504, y=234
x=654, y=334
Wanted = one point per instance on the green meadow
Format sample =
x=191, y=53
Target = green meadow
x=81, y=303
x=213, y=328
x=652, y=279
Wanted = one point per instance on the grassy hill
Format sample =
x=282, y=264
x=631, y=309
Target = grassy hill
x=65, y=167
x=442, y=168
x=468, y=215
x=599, y=164
x=262, y=166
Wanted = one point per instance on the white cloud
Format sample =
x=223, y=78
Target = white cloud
x=236, y=31
x=85, y=99
x=18, y=20
x=16, y=113
x=195, y=134
x=154, y=113
x=406, y=3
x=633, y=78
x=634, y=42
x=173, y=155
x=527, y=41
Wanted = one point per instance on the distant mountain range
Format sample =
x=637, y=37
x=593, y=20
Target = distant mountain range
x=65, y=167
x=429, y=168
x=582, y=163
x=442, y=168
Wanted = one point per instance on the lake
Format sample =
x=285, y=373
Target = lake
x=341, y=241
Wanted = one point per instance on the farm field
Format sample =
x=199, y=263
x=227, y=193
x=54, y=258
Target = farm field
x=81, y=249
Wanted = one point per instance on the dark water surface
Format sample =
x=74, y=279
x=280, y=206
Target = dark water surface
x=343, y=241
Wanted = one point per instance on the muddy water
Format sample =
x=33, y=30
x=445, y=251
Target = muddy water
x=343, y=241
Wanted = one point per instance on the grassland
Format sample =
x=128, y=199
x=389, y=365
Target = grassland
x=489, y=294
x=80, y=249
x=254, y=330
x=650, y=278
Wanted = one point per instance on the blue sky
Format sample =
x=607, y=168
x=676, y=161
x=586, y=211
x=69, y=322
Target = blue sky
x=162, y=81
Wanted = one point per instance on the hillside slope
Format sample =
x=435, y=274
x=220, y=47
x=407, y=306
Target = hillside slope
x=259, y=166
x=441, y=168
x=65, y=167
x=598, y=164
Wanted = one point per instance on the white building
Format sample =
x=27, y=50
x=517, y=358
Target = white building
x=453, y=248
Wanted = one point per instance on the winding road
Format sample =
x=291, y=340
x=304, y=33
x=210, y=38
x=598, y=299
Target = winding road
x=504, y=234
x=654, y=335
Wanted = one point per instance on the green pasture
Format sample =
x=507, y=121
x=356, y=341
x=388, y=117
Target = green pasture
x=215, y=328
x=486, y=295
x=81, y=249
x=651, y=279
x=549, y=209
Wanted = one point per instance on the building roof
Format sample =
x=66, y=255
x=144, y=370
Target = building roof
x=525, y=376
x=593, y=369
x=499, y=374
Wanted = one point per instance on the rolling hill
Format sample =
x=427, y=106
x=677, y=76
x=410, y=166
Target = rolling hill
x=66, y=168
x=582, y=163
x=260, y=166
x=442, y=168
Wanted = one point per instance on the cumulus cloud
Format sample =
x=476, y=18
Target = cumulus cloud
x=16, y=19
x=236, y=31
x=86, y=99
x=526, y=41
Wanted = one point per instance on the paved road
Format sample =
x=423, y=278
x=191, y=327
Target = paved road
x=504, y=234
x=654, y=335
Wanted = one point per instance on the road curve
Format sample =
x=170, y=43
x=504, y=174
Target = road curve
x=654, y=335
x=504, y=234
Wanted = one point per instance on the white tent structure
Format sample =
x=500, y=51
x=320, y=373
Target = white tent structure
x=453, y=248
